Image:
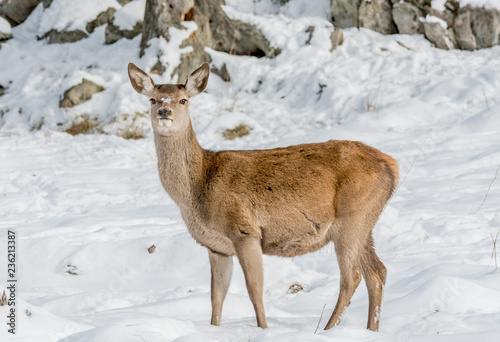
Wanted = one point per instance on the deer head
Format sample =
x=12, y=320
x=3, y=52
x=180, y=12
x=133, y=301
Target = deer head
x=169, y=102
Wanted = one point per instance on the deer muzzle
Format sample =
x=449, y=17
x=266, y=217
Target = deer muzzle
x=164, y=117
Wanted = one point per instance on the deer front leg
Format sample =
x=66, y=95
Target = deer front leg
x=249, y=252
x=221, y=267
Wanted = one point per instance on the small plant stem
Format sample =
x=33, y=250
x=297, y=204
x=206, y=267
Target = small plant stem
x=315, y=331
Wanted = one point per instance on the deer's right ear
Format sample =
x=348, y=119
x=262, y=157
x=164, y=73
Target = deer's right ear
x=142, y=83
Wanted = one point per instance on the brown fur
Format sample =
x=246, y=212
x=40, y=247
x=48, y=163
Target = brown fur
x=284, y=201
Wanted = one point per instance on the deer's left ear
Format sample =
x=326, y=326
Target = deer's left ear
x=198, y=80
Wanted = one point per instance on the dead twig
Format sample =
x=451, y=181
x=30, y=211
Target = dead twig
x=494, y=251
x=315, y=331
x=488, y=191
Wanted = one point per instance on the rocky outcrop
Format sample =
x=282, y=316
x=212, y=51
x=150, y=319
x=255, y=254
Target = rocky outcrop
x=406, y=17
x=79, y=93
x=466, y=28
x=376, y=15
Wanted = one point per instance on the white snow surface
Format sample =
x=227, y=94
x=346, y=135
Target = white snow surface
x=92, y=205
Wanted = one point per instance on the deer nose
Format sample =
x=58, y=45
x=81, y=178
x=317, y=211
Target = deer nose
x=164, y=112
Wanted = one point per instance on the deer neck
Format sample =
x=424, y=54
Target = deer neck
x=180, y=164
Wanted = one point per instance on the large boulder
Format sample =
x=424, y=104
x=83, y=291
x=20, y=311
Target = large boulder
x=406, y=17
x=376, y=15
x=485, y=24
x=345, y=13
x=16, y=11
x=80, y=93
x=463, y=31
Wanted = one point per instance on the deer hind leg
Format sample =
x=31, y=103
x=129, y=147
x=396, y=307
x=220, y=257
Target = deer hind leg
x=221, y=267
x=350, y=276
x=249, y=252
x=374, y=273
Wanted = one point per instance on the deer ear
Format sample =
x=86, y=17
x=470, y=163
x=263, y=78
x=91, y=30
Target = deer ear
x=142, y=83
x=197, y=81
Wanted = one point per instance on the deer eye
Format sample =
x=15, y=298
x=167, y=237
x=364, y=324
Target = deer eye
x=153, y=101
x=183, y=101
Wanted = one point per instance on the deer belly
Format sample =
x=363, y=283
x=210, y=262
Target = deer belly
x=290, y=241
x=212, y=240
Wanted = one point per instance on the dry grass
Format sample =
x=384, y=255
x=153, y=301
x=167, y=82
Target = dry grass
x=85, y=126
x=295, y=288
x=133, y=134
x=374, y=102
x=237, y=132
x=71, y=269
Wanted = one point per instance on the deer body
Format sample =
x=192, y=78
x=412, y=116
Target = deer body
x=284, y=201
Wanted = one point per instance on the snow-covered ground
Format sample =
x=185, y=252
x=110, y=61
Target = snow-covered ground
x=87, y=208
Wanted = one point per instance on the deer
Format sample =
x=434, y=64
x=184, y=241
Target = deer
x=284, y=201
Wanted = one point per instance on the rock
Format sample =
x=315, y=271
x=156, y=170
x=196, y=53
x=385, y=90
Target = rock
x=463, y=31
x=439, y=36
x=113, y=33
x=222, y=72
x=103, y=18
x=62, y=37
x=452, y=5
x=79, y=93
x=376, y=15
x=422, y=5
x=406, y=16
x=336, y=37
x=485, y=24
x=124, y=2
x=345, y=13
x=16, y=11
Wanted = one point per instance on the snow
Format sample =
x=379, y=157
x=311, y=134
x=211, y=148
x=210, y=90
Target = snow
x=433, y=19
x=127, y=16
x=93, y=204
x=5, y=26
x=490, y=4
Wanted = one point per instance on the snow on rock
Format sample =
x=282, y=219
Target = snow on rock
x=69, y=15
x=5, y=26
x=433, y=19
x=127, y=16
